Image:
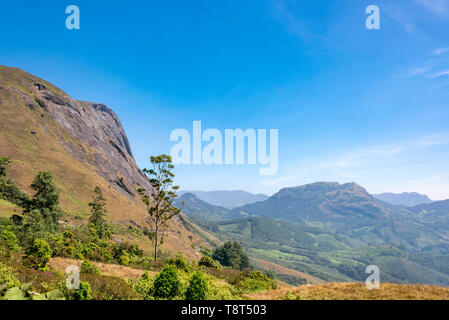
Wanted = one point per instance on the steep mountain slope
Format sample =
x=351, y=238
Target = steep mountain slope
x=228, y=199
x=408, y=199
x=82, y=143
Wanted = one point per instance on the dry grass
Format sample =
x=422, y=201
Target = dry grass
x=106, y=269
x=357, y=291
x=266, y=265
x=7, y=209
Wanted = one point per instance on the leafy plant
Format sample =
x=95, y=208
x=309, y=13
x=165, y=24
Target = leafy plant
x=83, y=293
x=198, y=287
x=89, y=268
x=166, y=284
x=38, y=255
x=8, y=276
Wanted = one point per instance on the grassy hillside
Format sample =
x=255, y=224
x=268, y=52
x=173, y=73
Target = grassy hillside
x=35, y=142
x=355, y=291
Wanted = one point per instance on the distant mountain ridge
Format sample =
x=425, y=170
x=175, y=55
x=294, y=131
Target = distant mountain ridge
x=347, y=209
x=333, y=231
x=194, y=207
x=228, y=199
x=407, y=199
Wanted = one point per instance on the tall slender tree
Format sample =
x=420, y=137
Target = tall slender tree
x=160, y=202
x=98, y=212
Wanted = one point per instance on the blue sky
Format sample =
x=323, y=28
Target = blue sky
x=350, y=104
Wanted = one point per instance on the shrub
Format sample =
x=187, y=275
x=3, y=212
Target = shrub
x=254, y=282
x=166, y=284
x=179, y=262
x=198, y=287
x=83, y=293
x=10, y=239
x=231, y=255
x=38, y=255
x=89, y=268
x=8, y=276
x=124, y=258
x=208, y=262
x=144, y=286
x=109, y=288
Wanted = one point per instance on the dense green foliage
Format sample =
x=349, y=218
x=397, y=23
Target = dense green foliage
x=198, y=287
x=89, y=268
x=83, y=293
x=166, y=284
x=38, y=255
x=43, y=211
x=8, y=277
x=254, y=282
x=231, y=254
x=207, y=261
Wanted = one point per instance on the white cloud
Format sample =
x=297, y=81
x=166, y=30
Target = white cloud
x=439, y=51
x=435, y=6
x=362, y=165
x=439, y=74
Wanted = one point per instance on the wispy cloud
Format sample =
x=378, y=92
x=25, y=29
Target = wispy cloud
x=292, y=24
x=353, y=164
x=435, y=66
x=439, y=51
x=435, y=6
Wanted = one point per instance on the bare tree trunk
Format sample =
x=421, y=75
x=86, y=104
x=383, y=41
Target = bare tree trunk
x=156, y=243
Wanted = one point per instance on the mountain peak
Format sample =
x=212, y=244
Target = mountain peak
x=408, y=199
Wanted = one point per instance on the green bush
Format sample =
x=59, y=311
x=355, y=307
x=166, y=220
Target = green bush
x=83, y=293
x=89, y=268
x=207, y=261
x=254, y=282
x=179, y=262
x=38, y=255
x=231, y=254
x=166, y=284
x=124, y=258
x=10, y=238
x=144, y=286
x=8, y=276
x=198, y=287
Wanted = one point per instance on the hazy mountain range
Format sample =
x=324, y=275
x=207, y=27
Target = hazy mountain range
x=228, y=199
x=408, y=199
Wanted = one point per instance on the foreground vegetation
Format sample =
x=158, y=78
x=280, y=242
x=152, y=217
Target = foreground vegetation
x=30, y=240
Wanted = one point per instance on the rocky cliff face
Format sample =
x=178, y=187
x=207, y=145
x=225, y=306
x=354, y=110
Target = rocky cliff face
x=84, y=145
x=99, y=136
